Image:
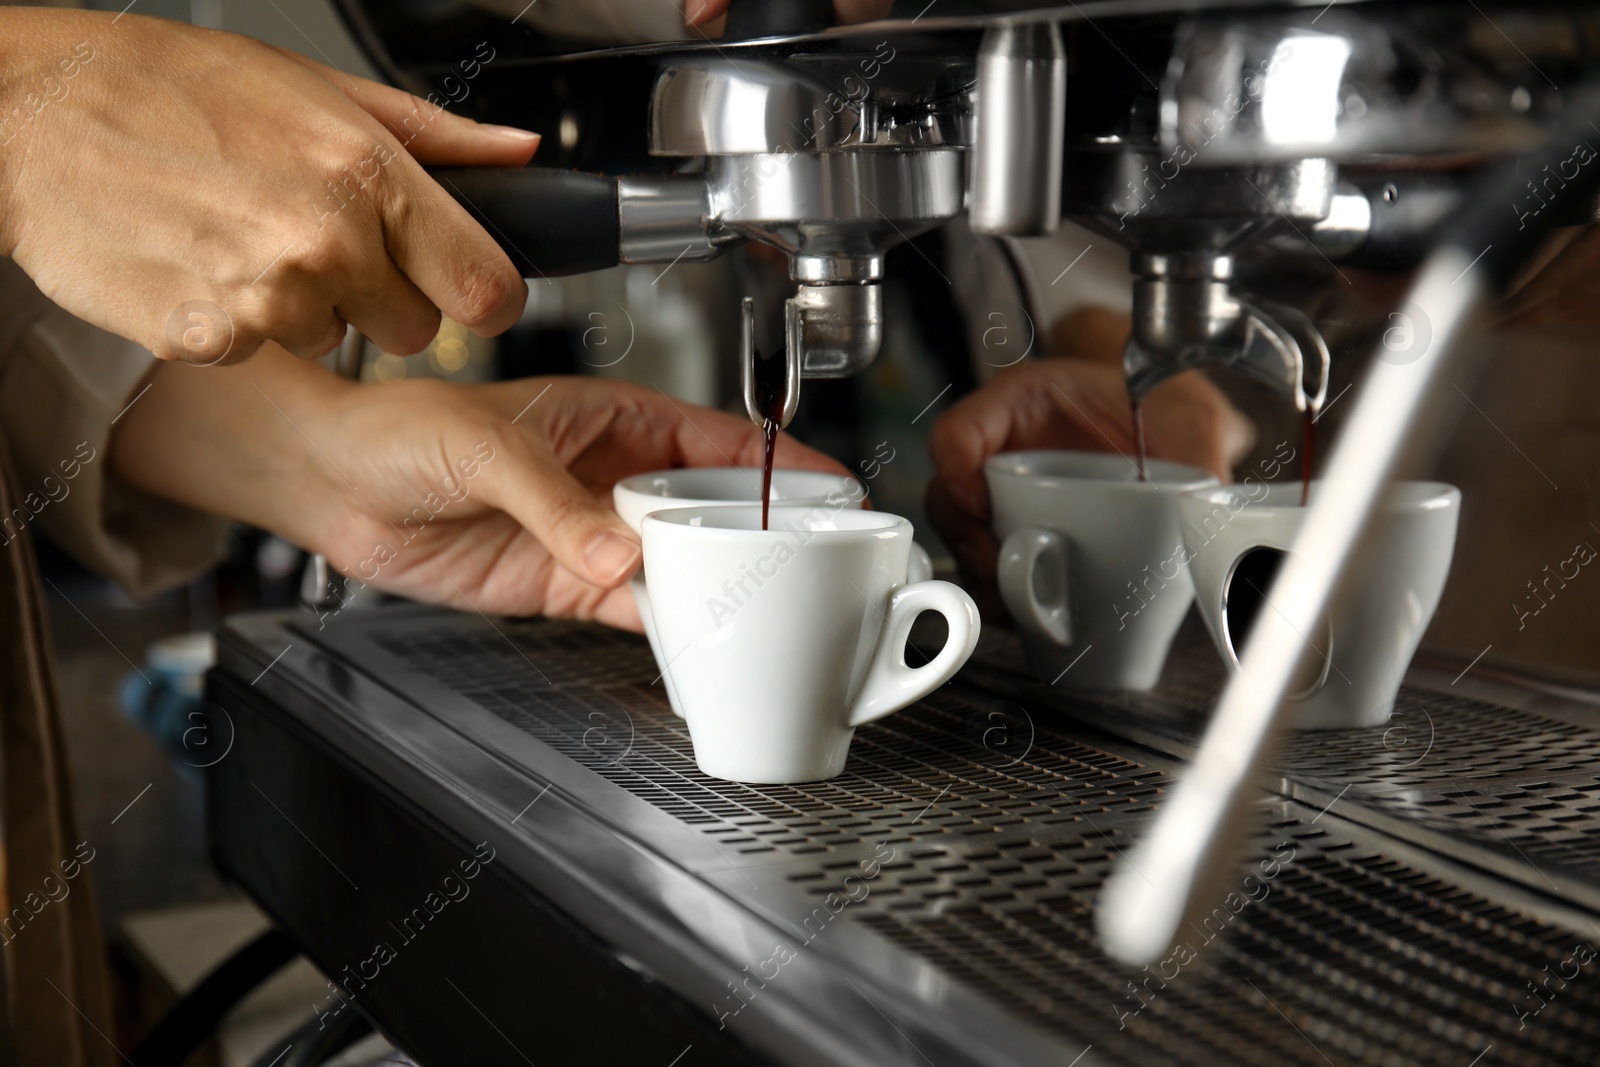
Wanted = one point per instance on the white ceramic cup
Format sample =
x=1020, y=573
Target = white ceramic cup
x=781, y=642
x=1236, y=536
x=1090, y=565
x=688, y=487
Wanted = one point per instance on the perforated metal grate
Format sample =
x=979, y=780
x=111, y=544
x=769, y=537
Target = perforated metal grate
x=1346, y=956
x=1006, y=824
x=620, y=727
x=1520, y=786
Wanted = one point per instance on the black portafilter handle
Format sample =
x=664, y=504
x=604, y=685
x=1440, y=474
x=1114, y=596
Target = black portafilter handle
x=549, y=221
x=750, y=19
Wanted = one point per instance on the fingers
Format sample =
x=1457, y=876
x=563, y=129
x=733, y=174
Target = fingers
x=430, y=133
x=710, y=438
x=697, y=12
x=583, y=534
x=442, y=250
x=447, y=255
x=984, y=423
x=1053, y=403
x=1188, y=419
x=313, y=335
x=1092, y=333
x=1074, y=404
x=439, y=138
x=391, y=312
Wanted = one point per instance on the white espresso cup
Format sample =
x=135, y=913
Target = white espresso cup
x=1236, y=536
x=1090, y=563
x=688, y=487
x=781, y=642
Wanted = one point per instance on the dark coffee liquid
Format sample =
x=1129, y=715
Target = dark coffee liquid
x=1138, y=438
x=1306, y=460
x=771, y=392
x=769, y=430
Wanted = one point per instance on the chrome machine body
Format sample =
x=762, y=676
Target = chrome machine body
x=1190, y=133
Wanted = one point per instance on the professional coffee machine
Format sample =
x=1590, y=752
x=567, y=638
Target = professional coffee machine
x=1435, y=142
x=1354, y=133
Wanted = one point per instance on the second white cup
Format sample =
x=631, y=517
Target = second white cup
x=1238, y=535
x=1091, y=564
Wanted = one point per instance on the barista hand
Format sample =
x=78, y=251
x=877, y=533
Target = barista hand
x=200, y=193
x=488, y=497
x=847, y=12
x=1080, y=402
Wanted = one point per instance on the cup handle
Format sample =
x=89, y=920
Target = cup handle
x=891, y=683
x=1019, y=557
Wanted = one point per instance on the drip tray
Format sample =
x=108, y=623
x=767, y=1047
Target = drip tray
x=934, y=904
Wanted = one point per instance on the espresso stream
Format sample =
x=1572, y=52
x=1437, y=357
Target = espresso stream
x=1305, y=462
x=1138, y=437
x=771, y=393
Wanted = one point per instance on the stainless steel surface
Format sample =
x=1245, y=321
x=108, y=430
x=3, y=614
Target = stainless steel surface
x=747, y=369
x=1354, y=83
x=1185, y=861
x=1338, y=233
x=1022, y=115
x=837, y=329
x=1179, y=204
x=800, y=104
x=852, y=204
x=1185, y=315
x=1373, y=932
x=664, y=220
x=833, y=180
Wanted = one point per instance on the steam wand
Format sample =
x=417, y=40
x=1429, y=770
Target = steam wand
x=1186, y=859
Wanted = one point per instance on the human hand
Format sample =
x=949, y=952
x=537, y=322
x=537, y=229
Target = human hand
x=494, y=498
x=1075, y=403
x=201, y=193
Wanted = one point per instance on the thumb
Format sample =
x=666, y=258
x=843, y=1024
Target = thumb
x=583, y=534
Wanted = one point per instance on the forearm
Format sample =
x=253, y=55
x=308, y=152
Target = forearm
x=238, y=441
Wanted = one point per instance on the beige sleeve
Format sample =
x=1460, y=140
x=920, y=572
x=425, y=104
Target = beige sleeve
x=63, y=385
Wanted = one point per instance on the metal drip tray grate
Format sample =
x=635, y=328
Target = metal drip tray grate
x=1006, y=822
x=619, y=726
x=1348, y=956
x=1521, y=790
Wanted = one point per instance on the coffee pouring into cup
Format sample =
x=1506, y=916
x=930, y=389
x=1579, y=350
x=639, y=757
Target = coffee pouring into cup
x=783, y=641
x=1237, y=536
x=638, y=496
x=1090, y=563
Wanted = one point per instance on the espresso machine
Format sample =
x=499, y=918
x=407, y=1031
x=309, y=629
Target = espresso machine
x=1035, y=861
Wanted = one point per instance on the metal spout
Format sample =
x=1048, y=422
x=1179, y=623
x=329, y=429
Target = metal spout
x=747, y=364
x=1186, y=315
